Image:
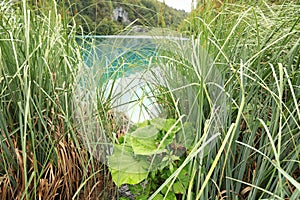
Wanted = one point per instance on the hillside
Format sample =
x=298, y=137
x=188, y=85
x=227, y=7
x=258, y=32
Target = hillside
x=112, y=17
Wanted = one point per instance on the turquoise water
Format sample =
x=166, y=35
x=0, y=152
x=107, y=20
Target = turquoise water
x=118, y=57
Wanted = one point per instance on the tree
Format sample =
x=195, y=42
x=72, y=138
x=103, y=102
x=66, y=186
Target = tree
x=96, y=16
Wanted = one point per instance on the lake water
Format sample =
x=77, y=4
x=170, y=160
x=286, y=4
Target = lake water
x=120, y=64
x=124, y=72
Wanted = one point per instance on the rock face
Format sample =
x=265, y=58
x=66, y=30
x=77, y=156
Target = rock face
x=121, y=15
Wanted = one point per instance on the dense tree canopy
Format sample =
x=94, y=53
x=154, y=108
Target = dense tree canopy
x=96, y=16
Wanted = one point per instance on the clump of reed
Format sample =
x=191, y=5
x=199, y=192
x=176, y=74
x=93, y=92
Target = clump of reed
x=237, y=82
x=253, y=69
x=41, y=155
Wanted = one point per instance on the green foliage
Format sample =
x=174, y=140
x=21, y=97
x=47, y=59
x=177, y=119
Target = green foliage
x=38, y=63
x=125, y=167
x=97, y=16
x=255, y=153
x=256, y=47
x=149, y=149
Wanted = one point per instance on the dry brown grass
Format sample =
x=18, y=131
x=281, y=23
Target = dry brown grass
x=62, y=179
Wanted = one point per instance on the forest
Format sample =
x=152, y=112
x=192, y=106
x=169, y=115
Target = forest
x=96, y=17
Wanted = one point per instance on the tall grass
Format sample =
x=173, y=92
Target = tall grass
x=255, y=57
x=236, y=81
x=41, y=156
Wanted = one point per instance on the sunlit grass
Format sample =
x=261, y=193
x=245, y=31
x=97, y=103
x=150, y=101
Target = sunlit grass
x=256, y=49
x=41, y=155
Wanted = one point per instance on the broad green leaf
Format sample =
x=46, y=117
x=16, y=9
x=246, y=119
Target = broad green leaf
x=147, y=132
x=159, y=123
x=168, y=125
x=144, y=141
x=178, y=188
x=125, y=167
x=139, y=125
x=158, y=197
x=170, y=196
x=123, y=159
x=165, y=124
x=120, y=178
x=169, y=128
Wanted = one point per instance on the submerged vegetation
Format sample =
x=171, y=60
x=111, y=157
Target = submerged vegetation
x=229, y=99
